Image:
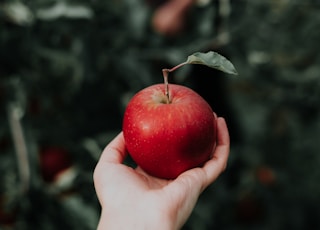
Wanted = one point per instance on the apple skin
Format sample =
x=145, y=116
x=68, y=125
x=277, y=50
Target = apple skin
x=168, y=139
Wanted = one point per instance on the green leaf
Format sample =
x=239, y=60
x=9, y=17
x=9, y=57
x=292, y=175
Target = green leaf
x=213, y=60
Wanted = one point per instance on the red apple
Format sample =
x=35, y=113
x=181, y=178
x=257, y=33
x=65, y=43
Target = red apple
x=165, y=135
x=54, y=161
x=168, y=130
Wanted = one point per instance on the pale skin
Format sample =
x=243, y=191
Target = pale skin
x=132, y=199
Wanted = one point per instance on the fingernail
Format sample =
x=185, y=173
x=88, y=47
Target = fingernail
x=215, y=115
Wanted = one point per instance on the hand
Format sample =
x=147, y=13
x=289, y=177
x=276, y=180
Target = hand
x=132, y=199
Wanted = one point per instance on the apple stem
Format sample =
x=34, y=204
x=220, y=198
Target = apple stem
x=176, y=67
x=165, y=73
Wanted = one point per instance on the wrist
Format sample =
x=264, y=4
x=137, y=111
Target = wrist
x=134, y=220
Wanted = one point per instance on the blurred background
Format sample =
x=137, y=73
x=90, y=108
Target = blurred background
x=69, y=67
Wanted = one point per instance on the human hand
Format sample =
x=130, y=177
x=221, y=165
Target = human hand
x=130, y=198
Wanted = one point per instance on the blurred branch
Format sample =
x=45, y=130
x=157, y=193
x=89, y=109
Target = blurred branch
x=62, y=9
x=15, y=114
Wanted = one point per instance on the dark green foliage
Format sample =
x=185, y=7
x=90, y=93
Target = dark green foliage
x=67, y=74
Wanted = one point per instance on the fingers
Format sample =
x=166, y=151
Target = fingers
x=223, y=138
x=206, y=175
x=115, y=151
x=218, y=163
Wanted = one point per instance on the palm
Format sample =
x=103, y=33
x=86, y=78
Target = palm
x=135, y=178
